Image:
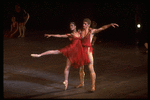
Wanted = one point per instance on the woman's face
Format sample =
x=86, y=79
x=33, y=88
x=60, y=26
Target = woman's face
x=72, y=27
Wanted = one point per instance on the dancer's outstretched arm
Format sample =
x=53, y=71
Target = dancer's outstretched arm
x=57, y=35
x=104, y=27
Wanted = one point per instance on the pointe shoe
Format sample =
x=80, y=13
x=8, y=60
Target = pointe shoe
x=66, y=84
x=35, y=55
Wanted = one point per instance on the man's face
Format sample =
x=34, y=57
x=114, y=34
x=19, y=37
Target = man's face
x=85, y=25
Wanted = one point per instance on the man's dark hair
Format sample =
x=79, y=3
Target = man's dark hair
x=87, y=20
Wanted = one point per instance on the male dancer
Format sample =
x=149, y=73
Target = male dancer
x=87, y=34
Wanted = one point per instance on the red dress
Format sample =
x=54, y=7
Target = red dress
x=75, y=53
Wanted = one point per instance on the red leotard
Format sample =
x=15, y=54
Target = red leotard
x=75, y=53
x=86, y=43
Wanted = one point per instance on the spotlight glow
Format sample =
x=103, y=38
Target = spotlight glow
x=138, y=25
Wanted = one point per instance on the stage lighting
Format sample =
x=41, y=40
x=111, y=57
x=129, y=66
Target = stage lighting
x=138, y=25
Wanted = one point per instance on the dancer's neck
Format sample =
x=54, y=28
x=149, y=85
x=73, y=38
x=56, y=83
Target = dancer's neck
x=86, y=30
x=74, y=31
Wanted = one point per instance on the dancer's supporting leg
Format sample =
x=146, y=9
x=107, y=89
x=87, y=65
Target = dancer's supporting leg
x=20, y=29
x=82, y=75
x=66, y=73
x=92, y=72
x=68, y=64
x=46, y=53
x=23, y=30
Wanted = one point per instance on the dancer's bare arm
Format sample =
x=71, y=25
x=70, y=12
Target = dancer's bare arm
x=104, y=27
x=57, y=35
x=26, y=17
x=15, y=29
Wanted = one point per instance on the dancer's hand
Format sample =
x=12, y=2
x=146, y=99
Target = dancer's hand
x=114, y=25
x=47, y=35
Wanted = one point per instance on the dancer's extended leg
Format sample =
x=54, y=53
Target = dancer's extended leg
x=46, y=53
x=66, y=73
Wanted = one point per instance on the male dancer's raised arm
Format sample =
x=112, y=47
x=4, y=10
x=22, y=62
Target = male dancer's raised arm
x=104, y=27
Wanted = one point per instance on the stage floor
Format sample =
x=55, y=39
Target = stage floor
x=122, y=70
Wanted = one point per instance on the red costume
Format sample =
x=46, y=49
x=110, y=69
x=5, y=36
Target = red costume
x=75, y=53
x=86, y=43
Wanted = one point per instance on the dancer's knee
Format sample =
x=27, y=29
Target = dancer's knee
x=91, y=68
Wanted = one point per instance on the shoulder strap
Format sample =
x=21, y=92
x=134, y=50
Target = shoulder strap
x=88, y=33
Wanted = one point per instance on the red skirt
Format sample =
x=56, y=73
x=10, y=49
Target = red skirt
x=75, y=53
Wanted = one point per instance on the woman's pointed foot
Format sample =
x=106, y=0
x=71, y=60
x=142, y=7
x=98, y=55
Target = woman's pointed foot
x=66, y=84
x=35, y=55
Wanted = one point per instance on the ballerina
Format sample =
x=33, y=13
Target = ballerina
x=74, y=52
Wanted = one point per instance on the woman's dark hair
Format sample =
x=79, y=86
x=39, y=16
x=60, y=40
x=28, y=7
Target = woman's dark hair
x=73, y=23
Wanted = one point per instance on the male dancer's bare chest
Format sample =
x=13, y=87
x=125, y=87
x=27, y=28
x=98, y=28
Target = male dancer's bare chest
x=84, y=34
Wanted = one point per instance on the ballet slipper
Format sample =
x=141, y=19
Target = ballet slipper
x=93, y=89
x=19, y=36
x=80, y=85
x=23, y=36
x=66, y=84
x=35, y=55
x=93, y=83
x=82, y=75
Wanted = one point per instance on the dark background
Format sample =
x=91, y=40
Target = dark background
x=54, y=16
